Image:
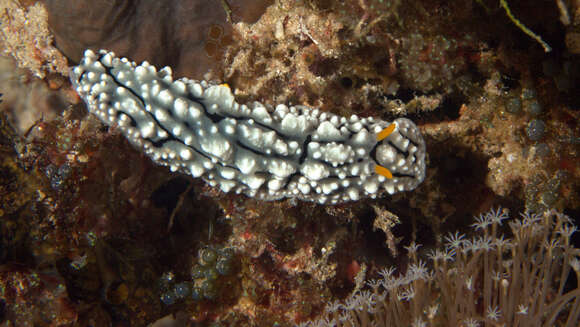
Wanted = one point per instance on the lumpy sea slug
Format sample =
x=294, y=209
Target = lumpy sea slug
x=197, y=127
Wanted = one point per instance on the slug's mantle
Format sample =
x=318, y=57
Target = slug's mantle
x=291, y=151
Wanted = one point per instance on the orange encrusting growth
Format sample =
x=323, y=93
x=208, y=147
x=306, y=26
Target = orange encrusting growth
x=386, y=132
x=383, y=171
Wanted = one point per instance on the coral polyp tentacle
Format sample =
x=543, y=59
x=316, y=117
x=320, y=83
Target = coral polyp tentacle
x=197, y=127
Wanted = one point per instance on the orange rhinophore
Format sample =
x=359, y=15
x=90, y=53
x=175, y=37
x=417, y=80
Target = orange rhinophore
x=383, y=171
x=386, y=132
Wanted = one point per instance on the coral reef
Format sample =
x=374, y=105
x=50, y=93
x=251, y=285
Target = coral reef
x=25, y=35
x=208, y=279
x=28, y=100
x=186, y=35
x=30, y=297
x=523, y=279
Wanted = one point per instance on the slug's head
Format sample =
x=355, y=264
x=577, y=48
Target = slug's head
x=400, y=154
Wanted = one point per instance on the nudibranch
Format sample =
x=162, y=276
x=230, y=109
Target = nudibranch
x=197, y=127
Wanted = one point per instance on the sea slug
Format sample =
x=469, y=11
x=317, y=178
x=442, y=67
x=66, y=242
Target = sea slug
x=268, y=153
